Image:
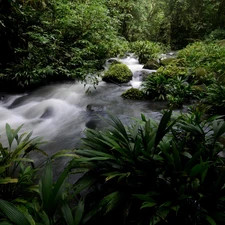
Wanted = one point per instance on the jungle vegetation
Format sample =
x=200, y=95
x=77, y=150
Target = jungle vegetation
x=43, y=41
x=170, y=171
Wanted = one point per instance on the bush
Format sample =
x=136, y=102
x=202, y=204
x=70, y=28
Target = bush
x=118, y=73
x=175, y=89
x=154, y=86
x=154, y=173
x=214, y=99
x=17, y=172
x=204, y=55
x=217, y=34
x=146, y=50
x=179, y=91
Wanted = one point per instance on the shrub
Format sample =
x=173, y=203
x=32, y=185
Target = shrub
x=17, y=172
x=214, y=99
x=118, y=73
x=154, y=173
x=154, y=86
x=173, y=70
x=204, y=55
x=178, y=92
x=146, y=50
x=217, y=34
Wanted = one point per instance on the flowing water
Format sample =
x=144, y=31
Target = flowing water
x=60, y=113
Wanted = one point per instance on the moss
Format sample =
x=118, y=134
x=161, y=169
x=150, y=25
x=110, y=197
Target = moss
x=201, y=75
x=172, y=70
x=151, y=65
x=134, y=94
x=119, y=73
x=167, y=61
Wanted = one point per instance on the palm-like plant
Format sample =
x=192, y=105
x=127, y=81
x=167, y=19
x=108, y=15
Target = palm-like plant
x=17, y=172
x=154, y=173
x=214, y=100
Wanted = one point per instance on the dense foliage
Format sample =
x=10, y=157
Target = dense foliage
x=45, y=40
x=195, y=75
x=166, y=172
x=57, y=40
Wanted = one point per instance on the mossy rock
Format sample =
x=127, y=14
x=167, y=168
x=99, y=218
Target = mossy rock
x=118, y=73
x=201, y=75
x=221, y=79
x=134, y=94
x=151, y=65
x=167, y=61
x=113, y=61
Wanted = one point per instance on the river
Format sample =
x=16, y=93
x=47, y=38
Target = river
x=61, y=112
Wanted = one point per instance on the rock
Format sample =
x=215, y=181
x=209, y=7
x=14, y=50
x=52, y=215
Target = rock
x=95, y=108
x=113, y=61
x=141, y=75
x=47, y=113
x=92, y=124
x=201, y=75
x=118, y=73
x=134, y=94
x=151, y=65
x=166, y=61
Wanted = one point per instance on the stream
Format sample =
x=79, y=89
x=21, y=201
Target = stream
x=61, y=112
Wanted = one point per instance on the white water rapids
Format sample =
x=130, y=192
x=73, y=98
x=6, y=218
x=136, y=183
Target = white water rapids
x=60, y=113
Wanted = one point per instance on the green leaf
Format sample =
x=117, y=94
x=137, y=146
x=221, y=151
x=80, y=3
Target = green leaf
x=199, y=168
x=187, y=154
x=148, y=204
x=176, y=156
x=13, y=213
x=67, y=214
x=218, y=128
x=79, y=212
x=163, y=127
x=5, y=223
x=110, y=201
x=111, y=175
x=210, y=220
x=9, y=134
x=46, y=185
x=84, y=182
x=7, y=180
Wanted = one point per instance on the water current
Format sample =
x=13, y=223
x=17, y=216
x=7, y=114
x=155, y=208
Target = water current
x=61, y=112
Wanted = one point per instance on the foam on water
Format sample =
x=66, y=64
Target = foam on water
x=61, y=112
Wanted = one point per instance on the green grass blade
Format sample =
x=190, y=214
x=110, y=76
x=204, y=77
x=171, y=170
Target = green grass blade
x=162, y=128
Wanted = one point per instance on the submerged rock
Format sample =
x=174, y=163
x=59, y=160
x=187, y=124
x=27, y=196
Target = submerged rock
x=47, y=114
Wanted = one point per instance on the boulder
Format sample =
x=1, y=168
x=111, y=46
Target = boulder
x=166, y=61
x=118, y=73
x=151, y=65
x=201, y=75
x=134, y=94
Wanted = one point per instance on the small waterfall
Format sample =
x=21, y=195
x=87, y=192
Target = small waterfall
x=136, y=68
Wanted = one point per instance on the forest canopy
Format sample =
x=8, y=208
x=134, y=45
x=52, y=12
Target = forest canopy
x=50, y=40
